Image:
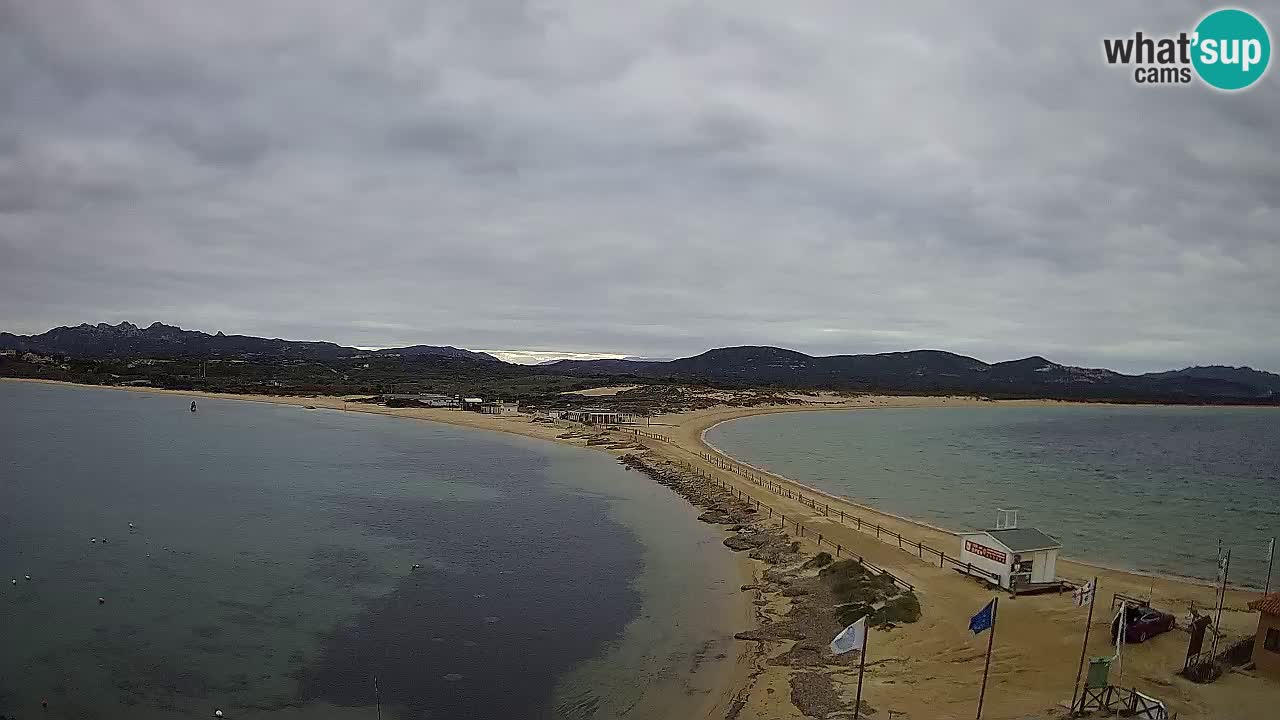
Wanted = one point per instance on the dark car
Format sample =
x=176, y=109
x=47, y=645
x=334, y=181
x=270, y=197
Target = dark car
x=1142, y=622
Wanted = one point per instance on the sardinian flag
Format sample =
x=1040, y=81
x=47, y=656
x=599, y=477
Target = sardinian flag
x=850, y=638
x=1083, y=595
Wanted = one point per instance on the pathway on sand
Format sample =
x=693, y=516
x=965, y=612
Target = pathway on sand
x=933, y=668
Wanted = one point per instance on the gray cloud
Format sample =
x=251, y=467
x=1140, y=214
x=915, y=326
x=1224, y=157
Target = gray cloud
x=649, y=180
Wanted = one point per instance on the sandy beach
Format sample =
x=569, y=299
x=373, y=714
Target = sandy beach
x=932, y=668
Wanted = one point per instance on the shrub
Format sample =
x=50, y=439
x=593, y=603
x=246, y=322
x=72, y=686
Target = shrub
x=843, y=569
x=822, y=559
x=903, y=609
x=852, y=612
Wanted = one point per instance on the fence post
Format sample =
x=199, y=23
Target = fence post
x=877, y=531
x=838, y=549
x=859, y=524
x=899, y=542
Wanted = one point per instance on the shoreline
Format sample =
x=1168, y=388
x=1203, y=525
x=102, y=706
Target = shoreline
x=731, y=672
x=1043, y=640
x=1083, y=562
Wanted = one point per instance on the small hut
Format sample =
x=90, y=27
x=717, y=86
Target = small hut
x=1024, y=559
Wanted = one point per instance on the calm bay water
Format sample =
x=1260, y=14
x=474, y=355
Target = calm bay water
x=269, y=574
x=1143, y=488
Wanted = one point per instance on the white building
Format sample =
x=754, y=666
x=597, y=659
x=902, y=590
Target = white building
x=1023, y=558
x=498, y=407
x=599, y=416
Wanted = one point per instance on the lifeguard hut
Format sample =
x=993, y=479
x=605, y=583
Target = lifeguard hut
x=1024, y=559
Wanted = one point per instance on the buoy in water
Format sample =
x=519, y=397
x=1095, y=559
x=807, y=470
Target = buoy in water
x=14, y=581
x=416, y=566
x=130, y=526
x=216, y=713
x=27, y=578
x=102, y=601
x=44, y=702
x=93, y=540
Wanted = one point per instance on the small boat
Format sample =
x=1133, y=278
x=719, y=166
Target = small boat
x=193, y=406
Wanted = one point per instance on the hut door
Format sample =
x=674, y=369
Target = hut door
x=1021, y=572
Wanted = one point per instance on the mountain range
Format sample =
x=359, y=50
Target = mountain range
x=167, y=341
x=938, y=371
x=917, y=371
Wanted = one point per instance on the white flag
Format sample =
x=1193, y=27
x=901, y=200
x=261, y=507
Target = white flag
x=1120, y=640
x=850, y=638
x=1083, y=595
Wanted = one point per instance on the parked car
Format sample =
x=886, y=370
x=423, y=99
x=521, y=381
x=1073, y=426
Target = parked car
x=1142, y=622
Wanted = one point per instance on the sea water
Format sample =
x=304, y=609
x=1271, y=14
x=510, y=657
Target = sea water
x=1139, y=488
x=269, y=570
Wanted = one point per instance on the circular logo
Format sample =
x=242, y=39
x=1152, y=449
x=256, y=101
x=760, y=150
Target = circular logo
x=1232, y=49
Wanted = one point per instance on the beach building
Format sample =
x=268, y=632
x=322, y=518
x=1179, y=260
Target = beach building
x=427, y=399
x=1024, y=559
x=472, y=403
x=601, y=416
x=498, y=407
x=1266, y=644
x=594, y=416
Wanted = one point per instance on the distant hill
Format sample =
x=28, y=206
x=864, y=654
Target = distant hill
x=167, y=341
x=436, y=351
x=1221, y=373
x=931, y=371
x=916, y=371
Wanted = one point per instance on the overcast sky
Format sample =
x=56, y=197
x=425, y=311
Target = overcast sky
x=650, y=178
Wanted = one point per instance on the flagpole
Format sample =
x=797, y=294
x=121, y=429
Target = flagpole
x=1084, y=647
x=1270, y=563
x=862, y=664
x=991, y=640
x=1221, y=599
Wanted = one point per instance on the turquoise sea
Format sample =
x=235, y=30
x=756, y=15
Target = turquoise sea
x=269, y=570
x=1139, y=488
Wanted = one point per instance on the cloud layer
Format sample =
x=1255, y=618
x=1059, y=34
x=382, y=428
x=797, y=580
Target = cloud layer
x=644, y=179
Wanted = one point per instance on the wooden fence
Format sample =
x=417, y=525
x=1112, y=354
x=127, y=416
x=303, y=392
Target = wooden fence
x=800, y=530
x=1128, y=702
x=924, y=552
x=639, y=433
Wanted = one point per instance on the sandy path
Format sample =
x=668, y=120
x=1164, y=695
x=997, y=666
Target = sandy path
x=932, y=669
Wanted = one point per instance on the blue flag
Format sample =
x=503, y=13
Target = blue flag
x=982, y=620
